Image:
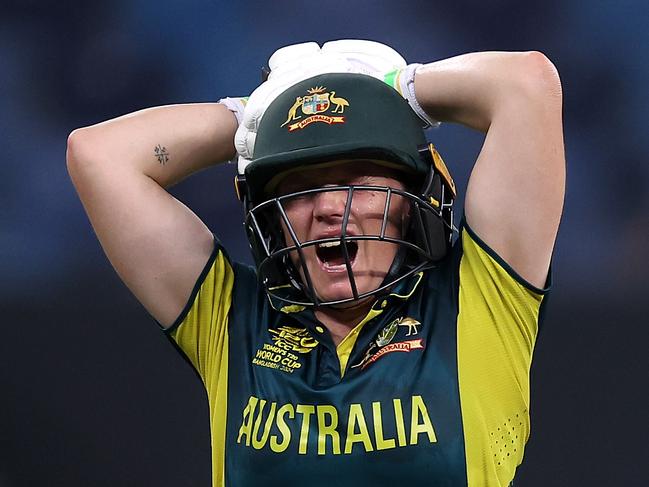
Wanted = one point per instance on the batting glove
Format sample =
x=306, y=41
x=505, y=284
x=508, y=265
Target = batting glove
x=291, y=64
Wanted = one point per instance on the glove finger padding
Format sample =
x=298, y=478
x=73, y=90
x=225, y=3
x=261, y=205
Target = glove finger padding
x=368, y=57
x=290, y=55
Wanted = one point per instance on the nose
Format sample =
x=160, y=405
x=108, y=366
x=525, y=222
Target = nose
x=329, y=206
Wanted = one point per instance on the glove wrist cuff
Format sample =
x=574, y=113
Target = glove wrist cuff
x=404, y=82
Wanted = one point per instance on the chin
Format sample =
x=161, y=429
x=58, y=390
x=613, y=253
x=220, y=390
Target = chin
x=334, y=292
x=343, y=290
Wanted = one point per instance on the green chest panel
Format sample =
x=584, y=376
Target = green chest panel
x=393, y=416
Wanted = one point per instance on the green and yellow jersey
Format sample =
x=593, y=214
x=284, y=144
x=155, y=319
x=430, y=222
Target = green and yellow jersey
x=431, y=388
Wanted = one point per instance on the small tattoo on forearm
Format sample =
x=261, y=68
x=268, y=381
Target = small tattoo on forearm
x=161, y=154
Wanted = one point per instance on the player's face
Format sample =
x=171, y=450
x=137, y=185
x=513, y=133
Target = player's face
x=320, y=215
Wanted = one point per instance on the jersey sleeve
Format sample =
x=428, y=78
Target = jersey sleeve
x=498, y=320
x=200, y=332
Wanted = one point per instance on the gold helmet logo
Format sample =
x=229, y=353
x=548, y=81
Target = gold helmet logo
x=316, y=102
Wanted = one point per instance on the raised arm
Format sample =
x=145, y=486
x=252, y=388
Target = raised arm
x=120, y=168
x=515, y=193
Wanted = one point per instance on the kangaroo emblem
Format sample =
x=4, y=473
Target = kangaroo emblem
x=411, y=323
x=292, y=113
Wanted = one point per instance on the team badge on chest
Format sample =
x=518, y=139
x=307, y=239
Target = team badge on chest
x=383, y=344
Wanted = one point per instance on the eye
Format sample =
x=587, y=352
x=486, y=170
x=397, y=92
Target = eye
x=291, y=202
x=295, y=186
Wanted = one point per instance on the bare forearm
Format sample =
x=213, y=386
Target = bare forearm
x=120, y=169
x=164, y=143
x=473, y=89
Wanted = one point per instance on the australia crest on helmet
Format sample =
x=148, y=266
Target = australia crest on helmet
x=317, y=105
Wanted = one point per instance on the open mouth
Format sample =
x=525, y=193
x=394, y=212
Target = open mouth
x=331, y=254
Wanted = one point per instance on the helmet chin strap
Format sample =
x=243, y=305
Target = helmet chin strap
x=396, y=266
x=399, y=259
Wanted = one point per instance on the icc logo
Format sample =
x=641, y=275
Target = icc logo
x=317, y=101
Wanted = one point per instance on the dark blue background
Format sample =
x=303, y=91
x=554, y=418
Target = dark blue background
x=91, y=392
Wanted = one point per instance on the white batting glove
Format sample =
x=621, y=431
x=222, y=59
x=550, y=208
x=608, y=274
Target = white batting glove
x=383, y=62
x=367, y=57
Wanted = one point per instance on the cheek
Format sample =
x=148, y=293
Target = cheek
x=299, y=217
x=402, y=214
x=368, y=206
x=398, y=214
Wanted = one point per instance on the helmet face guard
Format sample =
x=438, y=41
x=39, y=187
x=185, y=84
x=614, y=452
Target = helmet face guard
x=319, y=122
x=280, y=254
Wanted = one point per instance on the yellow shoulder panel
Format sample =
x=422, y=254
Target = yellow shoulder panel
x=203, y=337
x=497, y=328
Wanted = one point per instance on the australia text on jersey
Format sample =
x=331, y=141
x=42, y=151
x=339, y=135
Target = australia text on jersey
x=334, y=436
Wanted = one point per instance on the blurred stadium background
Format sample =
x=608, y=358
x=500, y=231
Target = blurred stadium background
x=92, y=393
